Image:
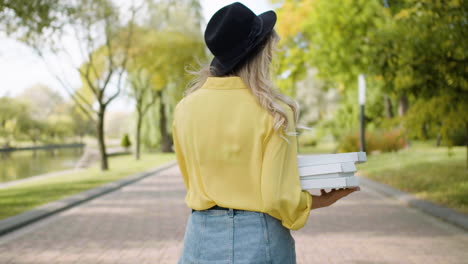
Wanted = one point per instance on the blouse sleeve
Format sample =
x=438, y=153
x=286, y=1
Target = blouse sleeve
x=282, y=194
x=179, y=154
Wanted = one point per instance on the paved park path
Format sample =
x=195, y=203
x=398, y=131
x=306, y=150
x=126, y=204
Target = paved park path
x=145, y=222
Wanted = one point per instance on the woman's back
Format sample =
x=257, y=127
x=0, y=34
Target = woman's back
x=229, y=155
x=222, y=144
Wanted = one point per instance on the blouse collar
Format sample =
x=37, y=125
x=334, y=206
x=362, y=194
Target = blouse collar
x=224, y=83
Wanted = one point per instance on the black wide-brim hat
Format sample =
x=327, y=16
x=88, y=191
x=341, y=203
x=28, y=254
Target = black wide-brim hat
x=234, y=33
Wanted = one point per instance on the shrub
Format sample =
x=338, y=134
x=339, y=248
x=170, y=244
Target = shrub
x=307, y=140
x=351, y=142
x=392, y=141
x=126, y=143
x=387, y=141
x=458, y=137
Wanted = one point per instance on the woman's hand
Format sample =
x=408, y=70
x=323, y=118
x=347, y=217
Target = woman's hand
x=327, y=199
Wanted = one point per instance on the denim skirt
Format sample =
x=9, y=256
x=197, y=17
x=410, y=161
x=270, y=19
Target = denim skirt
x=236, y=237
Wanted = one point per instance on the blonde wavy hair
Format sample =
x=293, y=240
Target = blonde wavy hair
x=255, y=72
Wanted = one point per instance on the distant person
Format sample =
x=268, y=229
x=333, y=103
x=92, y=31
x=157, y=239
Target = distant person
x=234, y=137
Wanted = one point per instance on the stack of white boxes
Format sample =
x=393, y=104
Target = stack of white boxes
x=329, y=170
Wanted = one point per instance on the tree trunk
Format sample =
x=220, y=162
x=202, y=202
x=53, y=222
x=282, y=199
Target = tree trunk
x=425, y=134
x=439, y=137
x=166, y=142
x=100, y=138
x=138, y=132
x=388, y=106
x=402, y=109
x=402, y=105
x=466, y=142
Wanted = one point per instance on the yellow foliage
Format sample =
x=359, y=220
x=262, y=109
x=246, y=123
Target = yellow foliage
x=10, y=125
x=291, y=17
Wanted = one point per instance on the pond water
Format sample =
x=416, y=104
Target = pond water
x=26, y=163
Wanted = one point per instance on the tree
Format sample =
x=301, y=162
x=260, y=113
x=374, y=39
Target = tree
x=16, y=122
x=427, y=42
x=42, y=99
x=99, y=30
x=154, y=65
x=26, y=18
x=179, y=44
x=414, y=52
x=144, y=80
x=334, y=37
x=82, y=125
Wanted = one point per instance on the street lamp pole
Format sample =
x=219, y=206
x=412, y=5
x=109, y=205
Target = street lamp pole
x=362, y=102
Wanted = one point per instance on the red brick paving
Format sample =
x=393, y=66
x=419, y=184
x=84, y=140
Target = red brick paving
x=145, y=222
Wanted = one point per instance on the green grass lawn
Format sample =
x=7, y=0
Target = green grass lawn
x=23, y=197
x=427, y=172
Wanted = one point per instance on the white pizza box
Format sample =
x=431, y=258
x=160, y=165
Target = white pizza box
x=329, y=183
x=327, y=169
x=328, y=175
x=311, y=160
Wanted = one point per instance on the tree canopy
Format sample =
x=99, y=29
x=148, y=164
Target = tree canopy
x=413, y=53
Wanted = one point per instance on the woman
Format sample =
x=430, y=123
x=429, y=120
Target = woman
x=234, y=142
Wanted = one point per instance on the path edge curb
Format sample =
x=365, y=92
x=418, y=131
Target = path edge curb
x=441, y=212
x=15, y=222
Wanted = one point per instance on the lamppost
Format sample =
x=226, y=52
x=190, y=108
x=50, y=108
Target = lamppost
x=362, y=102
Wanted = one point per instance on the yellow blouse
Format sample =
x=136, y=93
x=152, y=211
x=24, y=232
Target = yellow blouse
x=229, y=156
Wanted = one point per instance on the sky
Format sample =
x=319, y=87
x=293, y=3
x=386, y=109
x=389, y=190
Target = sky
x=21, y=68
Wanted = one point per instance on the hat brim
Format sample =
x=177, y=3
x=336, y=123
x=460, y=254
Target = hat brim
x=269, y=21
